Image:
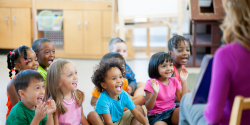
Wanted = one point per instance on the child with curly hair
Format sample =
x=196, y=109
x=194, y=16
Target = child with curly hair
x=108, y=78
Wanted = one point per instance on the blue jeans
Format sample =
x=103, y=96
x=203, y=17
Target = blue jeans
x=191, y=114
x=164, y=116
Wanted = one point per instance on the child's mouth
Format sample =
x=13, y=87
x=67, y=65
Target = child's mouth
x=50, y=61
x=168, y=73
x=74, y=84
x=40, y=99
x=118, y=88
x=35, y=69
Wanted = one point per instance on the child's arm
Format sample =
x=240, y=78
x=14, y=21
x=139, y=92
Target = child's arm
x=84, y=121
x=151, y=97
x=93, y=101
x=40, y=113
x=107, y=119
x=139, y=116
x=55, y=117
x=184, y=90
x=12, y=93
x=51, y=108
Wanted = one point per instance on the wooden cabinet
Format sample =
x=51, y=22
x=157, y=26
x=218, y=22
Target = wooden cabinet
x=15, y=28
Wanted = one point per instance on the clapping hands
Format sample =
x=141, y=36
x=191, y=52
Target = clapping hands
x=184, y=74
x=155, y=85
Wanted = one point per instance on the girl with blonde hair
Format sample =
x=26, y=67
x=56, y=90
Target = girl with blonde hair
x=230, y=71
x=61, y=86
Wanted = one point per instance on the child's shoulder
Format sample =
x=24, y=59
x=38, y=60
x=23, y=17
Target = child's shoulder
x=173, y=79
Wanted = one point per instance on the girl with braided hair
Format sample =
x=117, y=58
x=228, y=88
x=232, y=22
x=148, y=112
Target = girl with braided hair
x=20, y=59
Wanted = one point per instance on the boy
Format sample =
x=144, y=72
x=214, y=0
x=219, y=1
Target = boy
x=31, y=109
x=118, y=45
x=108, y=79
x=45, y=53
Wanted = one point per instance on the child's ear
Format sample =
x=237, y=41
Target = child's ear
x=103, y=85
x=21, y=93
x=17, y=66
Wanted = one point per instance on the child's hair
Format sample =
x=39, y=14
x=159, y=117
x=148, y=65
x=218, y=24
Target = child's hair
x=175, y=40
x=53, y=89
x=13, y=57
x=112, y=55
x=114, y=41
x=23, y=79
x=236, y=24
x=155, y=61
x=101, y=71
x=37, y=43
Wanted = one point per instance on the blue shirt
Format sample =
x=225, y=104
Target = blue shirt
x=106, y=104
x=130, y=76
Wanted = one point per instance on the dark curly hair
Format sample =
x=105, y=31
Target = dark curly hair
x=13, y=58
x=174, y=41
x=101, y=71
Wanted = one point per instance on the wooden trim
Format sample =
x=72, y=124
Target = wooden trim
x=73, y=5
x=151, y=16
x=16, y=3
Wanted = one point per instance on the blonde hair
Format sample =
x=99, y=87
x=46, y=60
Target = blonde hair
x=236, y=25
x=53, y=89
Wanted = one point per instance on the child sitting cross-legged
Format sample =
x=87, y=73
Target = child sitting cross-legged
x=108, y=78
x=31, y=110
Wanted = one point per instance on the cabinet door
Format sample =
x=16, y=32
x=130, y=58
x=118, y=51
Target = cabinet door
x=5, y=28
x=73, y=31
x=92, y=34
x=106, y=30
x=21, y=27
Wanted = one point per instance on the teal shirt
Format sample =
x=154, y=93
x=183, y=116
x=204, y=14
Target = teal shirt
x=43, y=73
x=21, y=115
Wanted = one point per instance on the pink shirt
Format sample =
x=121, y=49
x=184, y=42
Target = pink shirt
x=166, y=96
x=73, y=114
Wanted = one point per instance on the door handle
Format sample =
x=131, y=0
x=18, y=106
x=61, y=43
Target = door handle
x=86, y=25
x=7, y=20
x=79, y=25
x=14, y=18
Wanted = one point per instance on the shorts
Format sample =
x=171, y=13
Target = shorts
x=165, y=116
x=126, y=118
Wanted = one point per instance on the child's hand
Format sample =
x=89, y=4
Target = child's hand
x=155, y=85
x=51, y=106
x=184, y=74
x=40, y=111
x=130, y=90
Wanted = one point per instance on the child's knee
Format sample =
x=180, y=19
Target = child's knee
x=142, y=99
x=92, y=115
x=139, y=108
x=141, y=85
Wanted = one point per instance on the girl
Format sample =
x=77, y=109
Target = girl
x=45, y=53
x=180, y=49
x=61, y=86
x=161, y=90
x=230, y=71
x=20, y=59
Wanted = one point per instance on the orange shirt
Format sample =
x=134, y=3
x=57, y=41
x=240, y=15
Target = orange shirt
x=96, y=94
x=8, y=104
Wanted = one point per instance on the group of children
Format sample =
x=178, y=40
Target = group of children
x=44, y=91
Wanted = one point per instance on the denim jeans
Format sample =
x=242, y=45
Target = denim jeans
x=164, y=116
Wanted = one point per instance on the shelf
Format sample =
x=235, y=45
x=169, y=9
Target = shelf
x=202, y=40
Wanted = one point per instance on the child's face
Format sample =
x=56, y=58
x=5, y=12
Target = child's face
x=46, y=54
x=68, y=79
x=181, y=55
x=31, y=64
x=166, y=69
x=34, y=94
x=113, y=82
x=121, y=48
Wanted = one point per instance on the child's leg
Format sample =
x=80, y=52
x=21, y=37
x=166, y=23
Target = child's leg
x=175, y=116
x=138, y=100
x=160, y=123
x=140, y=89
x=135, y=121
x=94, y=118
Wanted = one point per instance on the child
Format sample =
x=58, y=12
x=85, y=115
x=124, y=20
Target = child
x=61, y=86
x=108, y=78
x=31, y=110
x=180, y=49
x=45, y=53
x=118, y=45
x=139, y=100
x=20, y=59
x=161, y=90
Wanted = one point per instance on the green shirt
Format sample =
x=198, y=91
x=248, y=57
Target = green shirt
x=21, y=115
x=43, y=73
